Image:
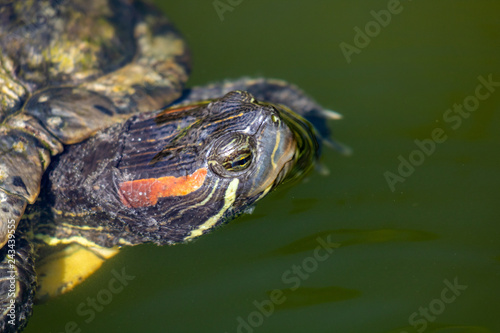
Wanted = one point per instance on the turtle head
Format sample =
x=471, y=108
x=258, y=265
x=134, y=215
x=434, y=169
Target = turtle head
x=185, y=170
x=260, y=146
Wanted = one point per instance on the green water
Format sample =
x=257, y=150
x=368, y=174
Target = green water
x=396, y=253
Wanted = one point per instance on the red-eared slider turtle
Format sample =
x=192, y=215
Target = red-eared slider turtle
x=76, y=69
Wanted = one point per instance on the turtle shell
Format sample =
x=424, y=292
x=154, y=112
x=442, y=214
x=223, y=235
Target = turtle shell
x=69, y=69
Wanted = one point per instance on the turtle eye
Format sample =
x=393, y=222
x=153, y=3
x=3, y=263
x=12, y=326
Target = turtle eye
x=239, y=162
x=232, y=155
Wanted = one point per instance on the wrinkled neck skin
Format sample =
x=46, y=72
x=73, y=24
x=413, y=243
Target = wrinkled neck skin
x=173, y=175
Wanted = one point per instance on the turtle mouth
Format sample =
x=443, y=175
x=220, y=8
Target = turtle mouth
x=284, y=172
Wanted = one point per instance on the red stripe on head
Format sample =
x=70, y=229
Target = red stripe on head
x=146, y=192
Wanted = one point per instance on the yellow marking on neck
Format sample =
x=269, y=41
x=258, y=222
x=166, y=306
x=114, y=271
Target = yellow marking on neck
x=229, y=199
x=82, y=227
x=64, y=213
x=278, y=137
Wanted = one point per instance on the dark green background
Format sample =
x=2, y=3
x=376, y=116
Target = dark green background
x=398, y=247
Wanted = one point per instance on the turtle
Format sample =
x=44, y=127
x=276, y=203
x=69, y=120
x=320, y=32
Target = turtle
x=103, y=146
